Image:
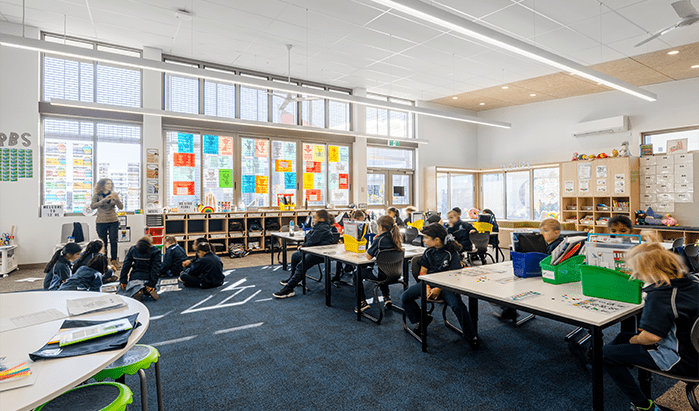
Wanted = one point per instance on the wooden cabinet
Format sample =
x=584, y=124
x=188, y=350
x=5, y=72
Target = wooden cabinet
x=592, y=191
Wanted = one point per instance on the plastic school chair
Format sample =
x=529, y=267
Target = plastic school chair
x=390, y=263
x=136, y=360
x=102, y=396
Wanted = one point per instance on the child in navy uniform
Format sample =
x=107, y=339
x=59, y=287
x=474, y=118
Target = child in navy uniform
x=58, y=269
x=551, y=230
x=357, y=215
x=393, y=212
x=92, y=250
x=620, y=224
x=173, y=258
x=460, y=230
x=139, y=273
x=389, y=238
x=664, y=342
x=89, y=276
x=322, y=233
x=442, y=255
x=207, y=272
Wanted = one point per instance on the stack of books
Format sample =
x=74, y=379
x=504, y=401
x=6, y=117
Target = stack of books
x=570, y=247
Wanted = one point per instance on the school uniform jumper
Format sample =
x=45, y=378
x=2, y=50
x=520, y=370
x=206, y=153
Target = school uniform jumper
x=552, y=245
x=57, y=274
x=83, y=261
x=669, y=313
x=143, y=266
x=206, y=272
x=172, y=261
x=381, y=242
x=84, y=279
x=436, y=260
x=462, y=234
x=323, y=233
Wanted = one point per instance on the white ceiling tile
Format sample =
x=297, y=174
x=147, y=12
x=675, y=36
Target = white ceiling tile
x=267, y=8
x=362, y=50
x=506, y=61
x=227, y=15
x=411, y=63
x=564, y=41
x=566, y=12
x=595, y=55
x=475, y=8
x=520, y=21
x=297, y=36
x=656, y=15
x=380, y=40
x=349, y=11
x=607, y=28
x=433, y=80
x=617, y=4
x=626, y=46
x=403, y=28
x=682, y=36
x=430, y=54
x=392, y=70
x=461, y=47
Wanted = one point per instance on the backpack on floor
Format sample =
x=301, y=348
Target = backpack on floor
x=237, y=251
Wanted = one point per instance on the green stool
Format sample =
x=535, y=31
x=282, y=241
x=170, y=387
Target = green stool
x=137, y=359
x=103, y=396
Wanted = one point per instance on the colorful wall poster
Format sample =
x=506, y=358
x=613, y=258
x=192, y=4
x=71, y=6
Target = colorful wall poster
x=261, y=184
x=313, y=195
x=210, y=144
x=183, y=188
x=333, y=154
x=290, y=181
x=225, y=178
x=308, y=181
x=282, y=166
x=185, y=143
x=248, y=183
x=183, y=160
x=225, y=146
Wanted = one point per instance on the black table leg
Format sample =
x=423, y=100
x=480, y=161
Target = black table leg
x=303, y=270
x=284, y=254
x=406, y=271
x=473, y=312
x=644, y=380
x=423, y=315
x=327, y=281
x=629, y=325
x=271, y=244
x=357, y=284
x=597, y=372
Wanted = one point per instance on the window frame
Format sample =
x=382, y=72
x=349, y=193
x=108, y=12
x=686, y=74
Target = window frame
x=646, y=135
x=410, y=117
x=450, y=193
x=389, y=173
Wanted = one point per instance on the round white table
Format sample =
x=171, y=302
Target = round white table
x=58, y=375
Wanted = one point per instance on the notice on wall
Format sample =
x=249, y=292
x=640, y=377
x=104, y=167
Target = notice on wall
x=584, y=186
x=584, y=171
x=152, y=171
x=248, y=183
x=152, y=156
x=569, y=186
x=619, y=183
x=52, y=210
x=152, y=186
x=601, y=189
x=185, y=143
x=601, y=171
x=333, y=154
x=15, y=164
x=308, y=181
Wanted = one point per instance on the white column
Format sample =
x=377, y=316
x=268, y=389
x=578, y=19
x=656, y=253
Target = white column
x=153, y=126
x=359, y=162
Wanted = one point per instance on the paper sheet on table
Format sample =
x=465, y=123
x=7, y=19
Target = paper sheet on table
x=23, y=381
x=82, y=306
x=27, y=320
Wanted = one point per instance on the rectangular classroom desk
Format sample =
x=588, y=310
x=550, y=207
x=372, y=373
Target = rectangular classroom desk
x=497, y=284
x=357, y=260
x=286, y=237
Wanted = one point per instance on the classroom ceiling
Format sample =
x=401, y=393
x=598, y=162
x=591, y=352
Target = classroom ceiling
x=357, y=43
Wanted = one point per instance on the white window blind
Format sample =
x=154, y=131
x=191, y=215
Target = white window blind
x=219, y=99
x=181, y=94
x=379, y=157
x=254, y=103
x=118, y=86
x=339, y=114
x=68, y=80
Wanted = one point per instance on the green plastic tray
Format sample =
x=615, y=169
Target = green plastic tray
x=565, y=272
x=613, y=285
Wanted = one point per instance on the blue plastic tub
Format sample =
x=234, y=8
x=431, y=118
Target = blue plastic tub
x=527, y=264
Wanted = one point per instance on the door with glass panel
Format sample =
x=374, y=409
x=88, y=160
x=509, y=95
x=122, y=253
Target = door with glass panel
x=401, y=194
x=376, y=188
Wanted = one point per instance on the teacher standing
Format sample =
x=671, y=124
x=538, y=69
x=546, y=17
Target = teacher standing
x=105, y=202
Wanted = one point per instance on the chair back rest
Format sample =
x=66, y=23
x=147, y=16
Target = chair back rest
x=695, y=334
x=692, y=257
x=390, y=262
x=679, y=242
x=336, y=238
x=415, y=267
x=410, y=234
x=480, y=241
x=285, y=229
x=86, y=231
x=66, y=231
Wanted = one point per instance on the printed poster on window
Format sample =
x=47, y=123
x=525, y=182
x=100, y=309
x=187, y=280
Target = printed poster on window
x=333, y=154
x=261, y=148
x=248, y=183
x=313, y=166
x=183, y=188
x=185, y=143
x=344, y=181
x=210, y=144
x=261, y=184
x=225, y=178
x=308, y=181
x=318, y=153
x=282, y=166
x=183, y=159
x=313, y=195
x=307, y=152
x=289, y=181
x=225, y=146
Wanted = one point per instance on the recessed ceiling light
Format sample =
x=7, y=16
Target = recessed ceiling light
x=482, y=104
x=455, y=98
x=532, y=95
x=673, y=52
x=695, y=66
x=505, y=87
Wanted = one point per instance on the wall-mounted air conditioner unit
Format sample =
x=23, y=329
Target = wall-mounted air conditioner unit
x=603, y=126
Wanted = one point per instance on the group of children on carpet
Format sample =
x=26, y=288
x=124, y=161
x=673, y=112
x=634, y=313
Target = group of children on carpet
x=72, y=268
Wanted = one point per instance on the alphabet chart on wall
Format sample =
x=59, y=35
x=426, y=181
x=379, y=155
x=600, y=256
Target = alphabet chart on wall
x=16, y=163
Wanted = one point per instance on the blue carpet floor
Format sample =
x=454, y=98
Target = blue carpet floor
x=236, y=348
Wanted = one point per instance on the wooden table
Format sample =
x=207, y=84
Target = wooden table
x=286, y=237
x=59, y=375
x=556, y=302
x=358, y=260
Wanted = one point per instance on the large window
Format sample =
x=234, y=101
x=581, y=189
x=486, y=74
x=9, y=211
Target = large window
x=492, y=188
x=314, y=174
x=254, y=103
x=284, y=174
x=546, y=192
x=181, y=94
x=254, y=172
x=454, y=190
x=77, y=150
x=383, y=157
x=183, y=165
x=392, y=166
x=660, y=140
x=376, y=189
x=219, y=99
x=313, y=110
x=339, y=113
x=393, y=123
x=217, y=170
x=443, y=193
x=518, y=189
x=285, y=107
x=338, y=175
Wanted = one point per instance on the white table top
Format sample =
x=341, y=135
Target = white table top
x=59, y=375
x=337, y=252
x=495, y=282
x=298, y=235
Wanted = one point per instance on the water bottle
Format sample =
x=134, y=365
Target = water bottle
x=291, y=228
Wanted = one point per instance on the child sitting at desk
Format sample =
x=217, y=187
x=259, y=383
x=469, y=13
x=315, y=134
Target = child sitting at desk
x=92, y=250
x=322, y=233
x=206, y=272
x=393, y=212
x=88, y=277
x=620, y=224
x=389, y=238
x=551, y=231
x=173, y=259
x=459, y=229
x=442, y=255
x=58, y=269
x=357, y=215
x=664, y=342
x=139, y=273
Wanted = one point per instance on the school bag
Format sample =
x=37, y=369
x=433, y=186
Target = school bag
x=237, y=251
x=235, y=226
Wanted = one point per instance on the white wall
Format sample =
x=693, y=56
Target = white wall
x=451, y=144
x=540, y=132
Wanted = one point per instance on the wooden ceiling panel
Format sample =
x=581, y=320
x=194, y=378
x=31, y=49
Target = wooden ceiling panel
x=631, y=71
x=560, y=85
x=470, y=101
x=677, y=66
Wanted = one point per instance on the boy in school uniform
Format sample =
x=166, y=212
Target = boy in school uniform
x=551, y=230
x=322, y=233
x=173, y=258
x=207, y=272
x=620, y=224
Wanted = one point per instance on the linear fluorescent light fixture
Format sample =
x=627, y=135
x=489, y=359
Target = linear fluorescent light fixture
x=170, y=68
x=219, y=120
x=443, y=18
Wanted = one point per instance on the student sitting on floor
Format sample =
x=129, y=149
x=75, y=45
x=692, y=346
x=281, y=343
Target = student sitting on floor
x=664, y=342
x=357, y=215
x=393, y=212
x=442, y=255
x=58, y=269
x=89, y=276
x=93, y=249
x=206, y=272
x=322, y=233
x=460, y=229
x=173, y=259
x=389, y=238
x=551, y=230
x=139, y=273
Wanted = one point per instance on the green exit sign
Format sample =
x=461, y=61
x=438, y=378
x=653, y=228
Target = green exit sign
x=394, y=143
